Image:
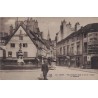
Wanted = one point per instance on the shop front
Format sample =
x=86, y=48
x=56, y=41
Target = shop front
x=79, y=62
x=94, y=62
x=63, y=60
x=93, y=49
x=72, y=61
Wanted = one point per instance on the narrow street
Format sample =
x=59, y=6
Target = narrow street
x=60, y=73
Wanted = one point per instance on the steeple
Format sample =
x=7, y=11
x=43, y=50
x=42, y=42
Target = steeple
x=56, y=37
x=48, y=36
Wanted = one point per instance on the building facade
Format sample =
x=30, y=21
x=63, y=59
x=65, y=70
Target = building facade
x=3, y=37
x=79, y=49
x=26, y=40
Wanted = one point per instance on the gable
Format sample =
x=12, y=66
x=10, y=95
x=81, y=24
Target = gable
x=29, y=36
x=14, y=39
x=20, y=31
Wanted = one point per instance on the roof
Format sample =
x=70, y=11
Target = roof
x=1, y=48
x=47, y=43
x=28, y=33
x=40, y=39
x=36, y=36
x=88, y=28
x=33, y=36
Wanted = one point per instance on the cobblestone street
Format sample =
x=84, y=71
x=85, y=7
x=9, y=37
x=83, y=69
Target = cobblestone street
x=60, y=73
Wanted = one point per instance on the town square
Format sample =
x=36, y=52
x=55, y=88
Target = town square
x=68, y=46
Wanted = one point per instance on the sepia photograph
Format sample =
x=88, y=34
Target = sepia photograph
x=48, y=48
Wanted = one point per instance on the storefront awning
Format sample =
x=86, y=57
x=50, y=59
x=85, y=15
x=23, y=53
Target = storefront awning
x=63, y=56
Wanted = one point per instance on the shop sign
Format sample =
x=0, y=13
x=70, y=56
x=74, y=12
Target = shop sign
x=88, y=58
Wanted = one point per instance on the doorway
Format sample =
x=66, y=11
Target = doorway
x=78, y=61
x=94, y=62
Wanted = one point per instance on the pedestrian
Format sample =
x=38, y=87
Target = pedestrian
x=45, y=69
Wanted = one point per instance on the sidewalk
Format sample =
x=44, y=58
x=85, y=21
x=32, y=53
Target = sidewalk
x=80, y=69
x=19, y=67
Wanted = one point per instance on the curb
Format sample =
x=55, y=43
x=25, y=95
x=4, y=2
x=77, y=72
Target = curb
x=84, y=70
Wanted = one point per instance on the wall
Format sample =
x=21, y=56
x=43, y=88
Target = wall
x=31, y=49
x=1, y=53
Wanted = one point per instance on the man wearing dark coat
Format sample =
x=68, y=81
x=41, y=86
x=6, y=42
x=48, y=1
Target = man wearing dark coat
x=45, y=69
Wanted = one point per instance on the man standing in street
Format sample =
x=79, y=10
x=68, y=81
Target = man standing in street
x=45, y=68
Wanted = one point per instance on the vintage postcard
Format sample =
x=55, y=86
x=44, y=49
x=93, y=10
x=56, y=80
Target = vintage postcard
x=48, y=48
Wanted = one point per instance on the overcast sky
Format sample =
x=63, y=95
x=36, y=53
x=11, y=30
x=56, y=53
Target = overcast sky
x=50, y=23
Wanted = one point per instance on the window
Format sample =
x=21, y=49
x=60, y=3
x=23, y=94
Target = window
x=78, y=37
x=64, y=50
x=20, y=37
x=78, y=49
x=10, y=54
x=20, y=32
x=61, y=50
x=12, y=45
x=85, y=47
x=73, y=39
x=89, y=35
x=25, y=54
x=1, y=34
x=95, y=38
x=72, y=49
x=25, y=45
x=67, y=41
x=85, y=35
x=67, y=49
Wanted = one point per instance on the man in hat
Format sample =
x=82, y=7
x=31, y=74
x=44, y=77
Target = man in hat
x=45, y=68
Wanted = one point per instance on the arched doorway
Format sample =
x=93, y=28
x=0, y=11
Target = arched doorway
x=94, y=62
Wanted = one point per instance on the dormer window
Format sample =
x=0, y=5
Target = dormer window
x=20, y=32
x=20, y=37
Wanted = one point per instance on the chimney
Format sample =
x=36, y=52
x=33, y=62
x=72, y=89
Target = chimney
x=56, y=37
x=77, y=26
x=16, y=23
x=11, y=29
x=64, y=22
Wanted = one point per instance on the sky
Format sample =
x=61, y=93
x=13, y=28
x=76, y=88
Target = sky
x=51, y=24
